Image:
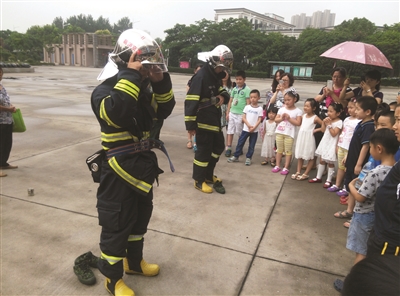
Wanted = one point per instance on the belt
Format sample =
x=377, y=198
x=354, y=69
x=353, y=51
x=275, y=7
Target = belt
x=204, y=103
x=142, y=145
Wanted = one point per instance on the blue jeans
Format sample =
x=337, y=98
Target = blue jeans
x=242, y=140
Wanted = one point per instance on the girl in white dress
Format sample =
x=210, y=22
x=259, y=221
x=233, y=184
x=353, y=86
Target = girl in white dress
x=305, y=143
x=327, y=147
x=268, y=144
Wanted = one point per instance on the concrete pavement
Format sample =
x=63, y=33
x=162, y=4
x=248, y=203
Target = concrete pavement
x=268, y=235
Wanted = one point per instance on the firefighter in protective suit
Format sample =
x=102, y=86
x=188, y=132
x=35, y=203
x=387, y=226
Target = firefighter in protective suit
x=203, y=116
x=137, y=91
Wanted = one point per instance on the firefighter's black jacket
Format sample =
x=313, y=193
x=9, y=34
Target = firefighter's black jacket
x=200, y=109
x=126, y=108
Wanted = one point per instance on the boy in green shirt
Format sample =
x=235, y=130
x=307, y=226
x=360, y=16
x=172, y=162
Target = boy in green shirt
x=240, y=97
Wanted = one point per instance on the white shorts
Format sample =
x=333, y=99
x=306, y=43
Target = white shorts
x=235, y=124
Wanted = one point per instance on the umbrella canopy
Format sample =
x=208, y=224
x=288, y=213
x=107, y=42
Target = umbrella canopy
x=358, y=52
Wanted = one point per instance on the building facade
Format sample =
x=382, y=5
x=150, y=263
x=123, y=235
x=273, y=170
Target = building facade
x=262, y=22
x=81, y=49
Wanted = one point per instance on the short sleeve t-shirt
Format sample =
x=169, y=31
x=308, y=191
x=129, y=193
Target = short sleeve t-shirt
x=239, y=96
x=349, y=125
x=252, y=115
x=361, y=135
x=285, y=127
x=369, y=186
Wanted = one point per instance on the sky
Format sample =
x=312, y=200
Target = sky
x=156, y=16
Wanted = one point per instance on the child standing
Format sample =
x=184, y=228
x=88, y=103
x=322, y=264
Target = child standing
x=289, y=116
x=349, y=124
x=252, y=115
x=358, y=153
x=305, y=143
x=327, y=147
x=268, y=145
x=383, y=146
x=240, y=97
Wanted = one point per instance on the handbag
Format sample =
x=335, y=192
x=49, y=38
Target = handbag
x=19, y=125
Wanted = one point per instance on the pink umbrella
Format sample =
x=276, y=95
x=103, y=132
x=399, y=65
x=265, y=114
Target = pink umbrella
x=358, y=52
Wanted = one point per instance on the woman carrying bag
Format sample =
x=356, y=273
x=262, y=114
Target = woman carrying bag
x=6, y=128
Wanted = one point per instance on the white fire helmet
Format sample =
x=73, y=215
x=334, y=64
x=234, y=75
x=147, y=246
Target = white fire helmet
x=134, y=41
x=221, y=56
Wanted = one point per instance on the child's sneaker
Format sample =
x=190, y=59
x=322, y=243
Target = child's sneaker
x=228, y=152
x=233, y=159
x=248, y=161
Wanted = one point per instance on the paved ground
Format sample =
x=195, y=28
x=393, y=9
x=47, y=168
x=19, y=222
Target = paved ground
x=268, y=235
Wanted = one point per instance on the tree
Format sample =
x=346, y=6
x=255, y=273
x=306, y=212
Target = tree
x=122, y=25
x=46, y=36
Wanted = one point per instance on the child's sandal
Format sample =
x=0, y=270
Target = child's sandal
x=294, y=176
x=302, y=177
x=189, y=144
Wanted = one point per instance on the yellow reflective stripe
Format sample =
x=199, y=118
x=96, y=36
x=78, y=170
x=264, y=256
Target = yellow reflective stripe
x=164, y=98
x=190, y=118
x=128, y=87
x=111, y=259
x=397, y=251
x=384, y=248
x=208, y=127
x=135, y=238
x=115, y=137
x=200, y=164
x=146, y=135
x=127, y=177
x=204, y=100
x=192, y=97
x=104, y=116
x=215, y=155
x=154, y=103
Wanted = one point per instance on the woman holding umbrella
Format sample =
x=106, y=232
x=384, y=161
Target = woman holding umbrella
x=369, y=86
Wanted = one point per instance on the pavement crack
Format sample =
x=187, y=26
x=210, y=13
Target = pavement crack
x=48, y=206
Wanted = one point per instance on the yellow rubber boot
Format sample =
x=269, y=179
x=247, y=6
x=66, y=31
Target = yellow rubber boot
x=147, y=268
x=203, y=187
x=118, y=288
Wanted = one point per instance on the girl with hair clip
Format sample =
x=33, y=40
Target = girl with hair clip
x=305, y=143
x=349, y=125
x=289, y=116
x=327, y=147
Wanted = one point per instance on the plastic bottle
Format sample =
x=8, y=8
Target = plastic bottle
x=365, y=170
